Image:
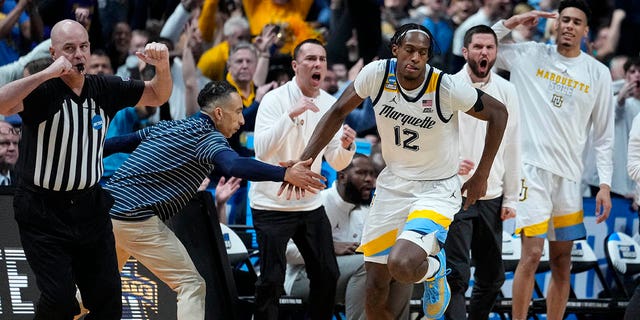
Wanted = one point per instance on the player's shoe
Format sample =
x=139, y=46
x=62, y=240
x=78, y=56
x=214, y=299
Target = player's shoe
x=436, y=291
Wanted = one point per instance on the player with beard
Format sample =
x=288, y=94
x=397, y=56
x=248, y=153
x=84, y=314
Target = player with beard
x=564, y=94
x=418, y=192
x=479, y=228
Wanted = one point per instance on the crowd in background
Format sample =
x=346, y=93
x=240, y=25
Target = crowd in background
x=250, y=44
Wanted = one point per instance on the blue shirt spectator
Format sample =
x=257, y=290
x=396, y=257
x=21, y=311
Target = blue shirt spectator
x=10, y=46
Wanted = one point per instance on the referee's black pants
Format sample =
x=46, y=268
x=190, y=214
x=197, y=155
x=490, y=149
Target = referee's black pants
x=311, y=232
x=478, y=229
x=68, y=240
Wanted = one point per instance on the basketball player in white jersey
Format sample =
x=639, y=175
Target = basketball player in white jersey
x=563, y=93
x=418, y=192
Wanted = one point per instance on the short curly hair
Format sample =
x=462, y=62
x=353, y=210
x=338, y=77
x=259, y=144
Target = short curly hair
x=213, y=93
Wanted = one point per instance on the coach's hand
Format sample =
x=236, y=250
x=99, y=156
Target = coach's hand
x=300, y=179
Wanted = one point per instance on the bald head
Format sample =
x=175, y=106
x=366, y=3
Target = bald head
x=70, y=40
x=65, y=27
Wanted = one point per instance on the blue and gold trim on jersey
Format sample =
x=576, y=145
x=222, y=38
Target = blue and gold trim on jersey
x=565, y=227
x=380, y=246
x=390, y=83
x=431, y=85
x=434, y=82
x=538, y=230
x=428, y=221
x=569, y=226
x=421, y=221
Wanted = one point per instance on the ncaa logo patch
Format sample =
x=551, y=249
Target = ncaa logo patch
x=96, y=122
x=391, y=83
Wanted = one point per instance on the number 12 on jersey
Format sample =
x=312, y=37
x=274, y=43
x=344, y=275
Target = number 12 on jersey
x=405, y=137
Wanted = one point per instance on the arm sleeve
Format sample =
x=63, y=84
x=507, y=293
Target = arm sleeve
x=271, y=125
x=229, y=163
x=512, y=151
x=337, y=156
x=507, y=53
x=13, y=71
x=500, y=29
x=633, y=155
x=125, y=143
x=172, y=29
x=603, y=128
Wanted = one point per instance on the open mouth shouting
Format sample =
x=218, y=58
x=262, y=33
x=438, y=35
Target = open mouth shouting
x=316, y=77
x=482, y=67
x=484, y=63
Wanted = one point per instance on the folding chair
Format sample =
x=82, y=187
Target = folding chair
x=624, y=261
x=584, y=259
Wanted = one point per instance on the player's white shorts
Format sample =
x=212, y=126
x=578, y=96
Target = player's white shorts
x=399, y=204
x=550, y=206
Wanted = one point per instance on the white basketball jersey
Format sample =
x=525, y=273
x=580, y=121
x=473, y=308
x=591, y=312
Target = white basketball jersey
x=418, y=128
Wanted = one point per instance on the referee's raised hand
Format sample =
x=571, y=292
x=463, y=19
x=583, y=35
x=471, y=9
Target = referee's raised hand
x=59, y=67
x=156, y=54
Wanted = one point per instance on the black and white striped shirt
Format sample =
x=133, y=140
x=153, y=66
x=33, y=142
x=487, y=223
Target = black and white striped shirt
x=63, y=133
x=166, y=169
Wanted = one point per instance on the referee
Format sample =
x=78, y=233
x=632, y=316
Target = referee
x=62, y=213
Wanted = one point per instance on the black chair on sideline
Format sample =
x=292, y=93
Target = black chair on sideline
x=584, y=259
x=624, y=262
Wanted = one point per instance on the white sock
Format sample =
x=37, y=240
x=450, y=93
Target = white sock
x=432, y=268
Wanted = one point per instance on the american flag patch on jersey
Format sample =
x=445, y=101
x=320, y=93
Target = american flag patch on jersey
x=426, y=105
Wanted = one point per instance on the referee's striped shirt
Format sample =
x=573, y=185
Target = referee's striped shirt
x=63, y=133
x=166, y=169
